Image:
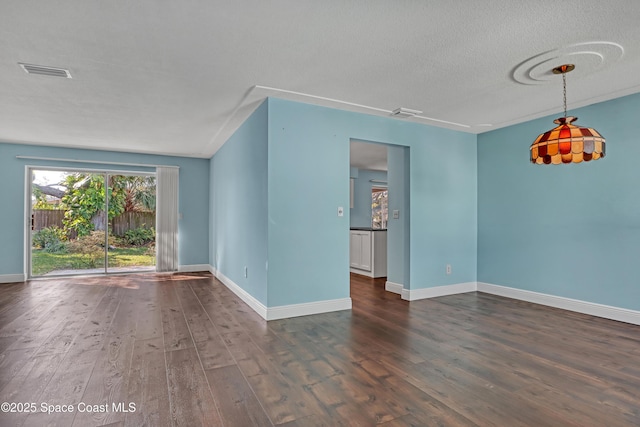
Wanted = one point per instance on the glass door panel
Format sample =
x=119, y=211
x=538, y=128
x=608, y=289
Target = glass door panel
x=68, y=222
x=132, y=220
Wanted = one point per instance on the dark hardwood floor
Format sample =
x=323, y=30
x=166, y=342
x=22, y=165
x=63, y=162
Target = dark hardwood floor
x=184, y=350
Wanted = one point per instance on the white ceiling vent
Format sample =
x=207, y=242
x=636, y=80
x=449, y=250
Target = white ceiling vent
x=403, y=113
x=45, y=71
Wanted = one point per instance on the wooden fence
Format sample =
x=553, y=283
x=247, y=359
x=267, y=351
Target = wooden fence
x=119, y=225
x=46, y=218
x=130, y=220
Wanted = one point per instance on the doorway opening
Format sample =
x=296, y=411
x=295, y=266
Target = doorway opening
x=369, y=211
x=90, y=222
x=379, y=215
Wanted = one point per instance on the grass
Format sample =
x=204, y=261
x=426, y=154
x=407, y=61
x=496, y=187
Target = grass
x=43, y=262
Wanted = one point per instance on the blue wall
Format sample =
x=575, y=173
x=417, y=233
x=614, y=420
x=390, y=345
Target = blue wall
x=309, y=178
x=361, y=211
x=194, y=197
x=567, y=230
x=239, y=206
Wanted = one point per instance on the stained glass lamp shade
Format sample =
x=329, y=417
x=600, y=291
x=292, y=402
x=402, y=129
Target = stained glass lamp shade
x=567, y=143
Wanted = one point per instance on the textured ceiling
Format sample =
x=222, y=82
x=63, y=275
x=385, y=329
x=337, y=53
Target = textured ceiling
x=179, y=77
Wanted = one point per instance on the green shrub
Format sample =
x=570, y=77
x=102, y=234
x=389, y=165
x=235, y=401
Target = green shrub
x=90, y=250
x=56, y=247
x=50, y=239
x=93, y=242
x=140, y=236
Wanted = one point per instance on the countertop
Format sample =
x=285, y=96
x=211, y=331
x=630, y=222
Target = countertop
x=367, y=229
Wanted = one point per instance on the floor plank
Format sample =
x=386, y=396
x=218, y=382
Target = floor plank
x=147, y=385
x=175, y=330
x=210, y=346
x=191, y=401
x=238, y=405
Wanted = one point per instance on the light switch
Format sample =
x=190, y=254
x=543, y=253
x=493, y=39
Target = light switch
x=340, y=211
x=396, y=214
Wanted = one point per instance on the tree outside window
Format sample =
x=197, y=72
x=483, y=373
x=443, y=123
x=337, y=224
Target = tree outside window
x=379, y=207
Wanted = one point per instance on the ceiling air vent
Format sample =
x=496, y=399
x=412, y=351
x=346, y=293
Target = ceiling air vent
x=45, y=71
x=403, y=113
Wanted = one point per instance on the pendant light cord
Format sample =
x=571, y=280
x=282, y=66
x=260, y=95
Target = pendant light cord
x=564, y=92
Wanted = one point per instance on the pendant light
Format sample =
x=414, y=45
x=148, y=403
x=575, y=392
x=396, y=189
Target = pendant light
x=567, y=143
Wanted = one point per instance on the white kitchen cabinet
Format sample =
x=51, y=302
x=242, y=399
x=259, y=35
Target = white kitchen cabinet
x=368, y=252
x=361, y=250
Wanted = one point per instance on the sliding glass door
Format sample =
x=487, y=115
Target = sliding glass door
x=86, y=222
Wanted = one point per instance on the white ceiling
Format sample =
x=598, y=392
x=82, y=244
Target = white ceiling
x=178, y=77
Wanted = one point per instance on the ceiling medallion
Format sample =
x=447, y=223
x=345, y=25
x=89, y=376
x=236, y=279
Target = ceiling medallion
x=588, y=57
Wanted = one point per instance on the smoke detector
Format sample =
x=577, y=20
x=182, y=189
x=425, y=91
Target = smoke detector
x=404, y=113
x=44, y=70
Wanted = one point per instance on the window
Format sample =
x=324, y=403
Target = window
x=379, y=207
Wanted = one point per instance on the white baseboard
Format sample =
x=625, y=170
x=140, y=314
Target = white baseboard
x=194, y=268
x=283, y=311
x=438, y=291
x=396, y=288
x=305, y=309
x=12, y=278
x=245, y=296
x=590, y=308
x=361, y=272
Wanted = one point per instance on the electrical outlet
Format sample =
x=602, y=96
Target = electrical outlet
x=340, y=211
x=246, y=271
x=448, y=269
